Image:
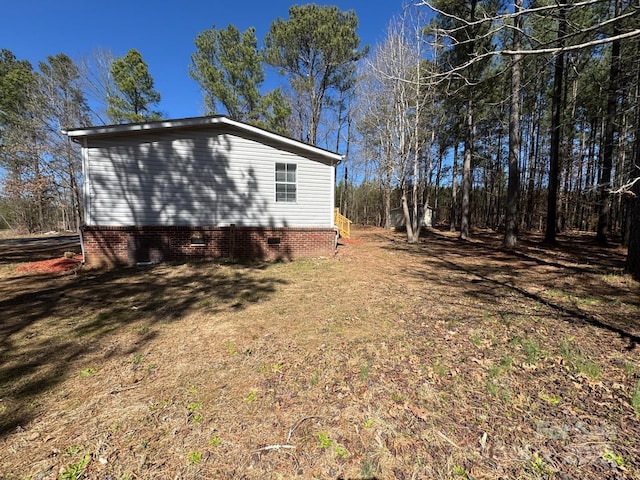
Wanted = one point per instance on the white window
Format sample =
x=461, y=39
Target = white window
x=286, y=188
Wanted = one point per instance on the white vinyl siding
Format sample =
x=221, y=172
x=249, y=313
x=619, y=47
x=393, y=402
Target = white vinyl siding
x=200, y=177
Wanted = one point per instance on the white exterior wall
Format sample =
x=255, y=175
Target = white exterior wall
x=200, y=177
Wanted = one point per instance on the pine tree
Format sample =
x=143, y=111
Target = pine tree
x=228, y=67
x=134, y=96
x=317, y=48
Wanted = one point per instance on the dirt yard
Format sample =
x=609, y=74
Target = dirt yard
x=441, y=360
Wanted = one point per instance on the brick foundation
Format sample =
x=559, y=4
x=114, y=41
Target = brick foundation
x=132, y=245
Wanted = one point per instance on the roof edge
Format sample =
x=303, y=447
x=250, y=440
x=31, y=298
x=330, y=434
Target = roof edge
x=88, y=132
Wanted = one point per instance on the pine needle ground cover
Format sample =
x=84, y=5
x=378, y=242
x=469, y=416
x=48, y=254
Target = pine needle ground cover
x=443, y=359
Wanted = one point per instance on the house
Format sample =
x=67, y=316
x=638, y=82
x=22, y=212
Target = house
x=203, y=187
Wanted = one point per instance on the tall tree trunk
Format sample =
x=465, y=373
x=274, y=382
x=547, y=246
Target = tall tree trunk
x=38, y=183
x=554, y=161
x=387, y=206
x=343, y=193
x=453, y=212
x=513, y=185
x=76, y=198
x=436, y=193
x=609, y=130
x=633, y=254
x=466, y=170
x=534, y=133
x=482, y=211
x=407, y=215
x=465, y=220
x=591, y=173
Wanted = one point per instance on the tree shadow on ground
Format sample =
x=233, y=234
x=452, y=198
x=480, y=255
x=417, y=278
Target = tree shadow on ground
x=48, y=322
x=568, y=278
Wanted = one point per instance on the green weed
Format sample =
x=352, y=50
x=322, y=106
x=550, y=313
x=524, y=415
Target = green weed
x=73, y=471
x=88, y=371
x=115, y=426
x=324, y=441
x=440, y=369
x=589, y=301
x=397, y=397
x=73, y=449
x=492, y=388
x=635, y=399
x=614, y=457
x=192, y=390
x=231, y=348
x=215, y=441
x=364, y=372
x=532, y=351
x=629, y=368
x=160, y=405
x=552, y=399
x=195, y=457
x=459, y=471
x=589, y=368
x=557, y=293
x=576, y=361
x=539, y=468
x=252, y=397
x=341, y=451
x=194, y=412
x=506, y=362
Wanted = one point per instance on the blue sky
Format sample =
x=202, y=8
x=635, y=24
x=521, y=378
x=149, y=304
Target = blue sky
x=163, y=32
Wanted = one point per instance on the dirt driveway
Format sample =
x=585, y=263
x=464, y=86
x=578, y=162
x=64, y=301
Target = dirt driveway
x=31, y=249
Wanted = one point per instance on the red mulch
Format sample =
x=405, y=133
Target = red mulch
x=55, y=265
x=352, y=241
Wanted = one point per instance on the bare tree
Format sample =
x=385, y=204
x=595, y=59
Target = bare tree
x=64, y=106
x=97, y=81
x=394, y=119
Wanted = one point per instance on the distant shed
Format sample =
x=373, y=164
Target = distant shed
x=396, y=217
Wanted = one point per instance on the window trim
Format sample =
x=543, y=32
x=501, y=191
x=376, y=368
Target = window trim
x=285, y=182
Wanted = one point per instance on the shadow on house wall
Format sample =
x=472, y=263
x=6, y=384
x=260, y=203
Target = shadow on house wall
x=175, y=196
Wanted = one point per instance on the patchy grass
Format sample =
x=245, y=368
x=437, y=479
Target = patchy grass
x=445, y=359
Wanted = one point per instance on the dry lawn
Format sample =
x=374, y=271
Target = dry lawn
x=441, y=360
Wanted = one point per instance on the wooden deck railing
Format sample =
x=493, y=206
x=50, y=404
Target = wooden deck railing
x=343, y=224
